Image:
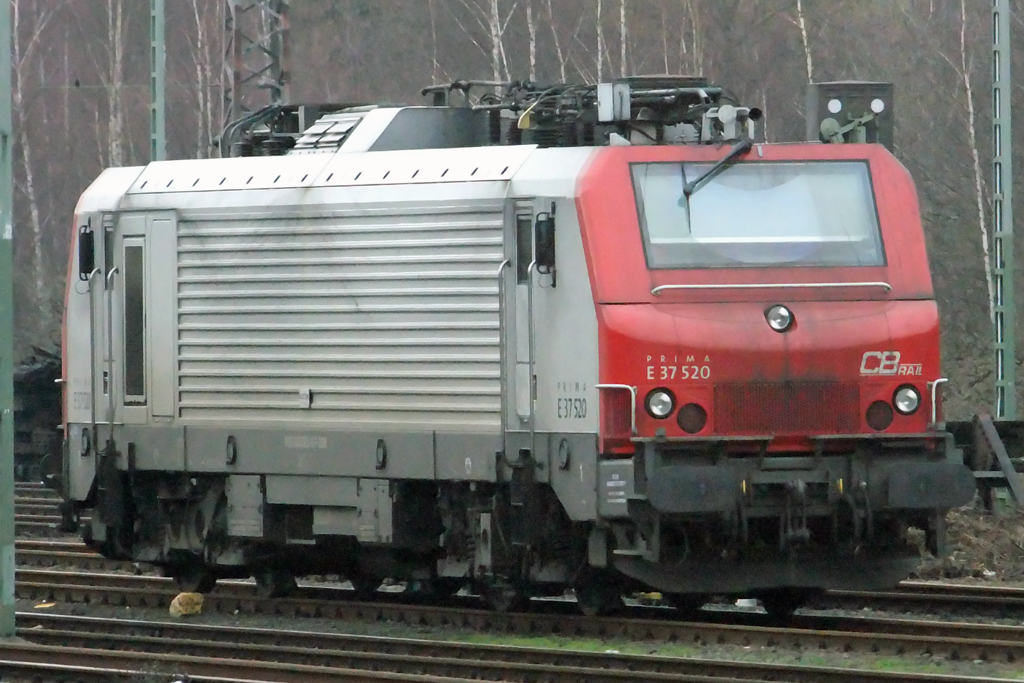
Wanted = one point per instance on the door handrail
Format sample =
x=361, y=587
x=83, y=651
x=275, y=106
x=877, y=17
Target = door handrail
x=109, y=288
x=531, y=380
x=502, y=378
x=92, y=354
x=934, y=387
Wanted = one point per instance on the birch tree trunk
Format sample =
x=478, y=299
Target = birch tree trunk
x=115, y=118
x=495, y=26
x=531, y=26
x=802, y=23
x=67, y=86
x=691, y=56
x=203, y=86
x=664, y=37
x=562, y=61
x=20, y=55
x=435, y=69
x=622, y=39
x=979, y=188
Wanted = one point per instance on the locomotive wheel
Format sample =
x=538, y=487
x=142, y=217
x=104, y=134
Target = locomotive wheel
x=194, y=578
x=445, y=586
x=364, y=586
x=598, y=596
x=274, y=583
x=782, y=603
x=687, y=604
x=505, y=598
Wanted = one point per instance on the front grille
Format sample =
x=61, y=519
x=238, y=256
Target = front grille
x=786, y=408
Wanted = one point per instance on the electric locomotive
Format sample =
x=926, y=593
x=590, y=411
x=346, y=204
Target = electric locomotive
x=596, y=337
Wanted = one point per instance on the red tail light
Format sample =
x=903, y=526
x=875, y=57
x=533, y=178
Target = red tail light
x=617, y=418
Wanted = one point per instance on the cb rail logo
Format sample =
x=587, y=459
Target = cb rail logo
x=886, y=363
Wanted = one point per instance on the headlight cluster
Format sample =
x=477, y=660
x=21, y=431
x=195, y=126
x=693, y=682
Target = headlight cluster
x=660, y=403
x=906, y=400
x=779, y=318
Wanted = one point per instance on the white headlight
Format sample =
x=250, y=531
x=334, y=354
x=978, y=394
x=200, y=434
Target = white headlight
x=779, y=318
x=659, y=403
x=907, y=400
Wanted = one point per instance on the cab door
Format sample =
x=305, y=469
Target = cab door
x=138, y=377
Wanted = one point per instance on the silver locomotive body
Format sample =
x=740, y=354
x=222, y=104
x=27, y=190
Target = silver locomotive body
x=321, y=363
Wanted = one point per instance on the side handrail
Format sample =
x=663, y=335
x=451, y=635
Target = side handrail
x=632, y=403
x=532, y=378
x=502, y=378
x=92, y=354
x=885, y=286
x=934, y=386
x=110, y=352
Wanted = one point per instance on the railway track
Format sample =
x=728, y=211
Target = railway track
x=935, y=595
x=36, y=510
x=262, y=654
x=805, y=631
x=918, y=595
x=60, y=553
x=957, y=641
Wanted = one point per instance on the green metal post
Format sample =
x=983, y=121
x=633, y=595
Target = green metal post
x=157, y=82
x=6, y=332
x=1002, y=215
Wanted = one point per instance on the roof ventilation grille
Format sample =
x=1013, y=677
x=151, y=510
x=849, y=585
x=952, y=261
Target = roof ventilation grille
x=328, y=134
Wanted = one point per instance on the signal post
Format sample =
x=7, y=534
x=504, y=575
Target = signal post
x=6, y=333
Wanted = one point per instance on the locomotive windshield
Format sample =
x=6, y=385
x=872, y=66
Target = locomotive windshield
x=759, y=214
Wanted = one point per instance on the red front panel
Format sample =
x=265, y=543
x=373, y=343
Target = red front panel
x=847, y=348
x=818, y=378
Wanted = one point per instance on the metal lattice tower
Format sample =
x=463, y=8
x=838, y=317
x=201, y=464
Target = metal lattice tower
x=255, y=56
x=1002, y=215
x=157, y=82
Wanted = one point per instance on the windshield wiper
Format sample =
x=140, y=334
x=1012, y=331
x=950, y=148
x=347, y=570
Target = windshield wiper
x=738, y=150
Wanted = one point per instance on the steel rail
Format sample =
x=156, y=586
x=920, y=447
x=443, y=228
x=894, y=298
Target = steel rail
x=59, y=558
x=444, y=659
x=893, y=636
x=108, y=665
x=63, y=546
x=38, y=553
x=36, y=506
x=937, y=592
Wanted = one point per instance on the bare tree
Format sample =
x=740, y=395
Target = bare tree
x=114, y=83
x=802, y=23
x=490, y=19
x=435, y=66
x=691, y=53
x=531, y=26
x=623, y=68
x=202, y=56
x=563, y=62
x=22, y=53
x=972, y=134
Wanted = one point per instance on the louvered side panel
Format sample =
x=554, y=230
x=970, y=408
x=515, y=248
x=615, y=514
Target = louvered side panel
x=358, y=320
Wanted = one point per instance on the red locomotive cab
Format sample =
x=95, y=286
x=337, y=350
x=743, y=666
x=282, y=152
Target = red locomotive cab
x=781, y=303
